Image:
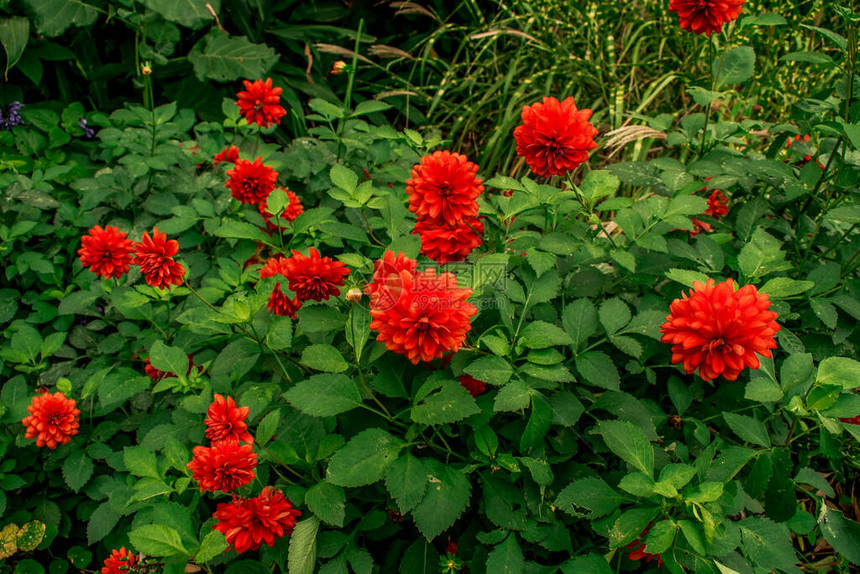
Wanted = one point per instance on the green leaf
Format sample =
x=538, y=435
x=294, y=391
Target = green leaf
x=540, y=335
x=693, y=536
x=587, y=564
x=303, y=547
x=686, y=277
x=157, y=540
x=614, y=314
x=840, y=371
x=358, y=329
x=768, y=544
x=628, y=442
x=224, y=58
x=660, y=537
x=735, y=66
x=54, y=16
x=406, y=480
x=539, y=422
x=748, y=428
x=808, y=476
x=630, y=525
x=782, y=287
x=685, y=205
x=324, y=358
x=233, y=229
x=599, y=370
x=446, y=499
x=493, y=370
x=512, y=397
x=364, y=459
x=588, y=498
x=598, y=184
x=540, y=261
x=763, y=389
x=77, y=470
x=705, y=492
x=188, y=13
x=280, y=334
x=343, y=177
x=762, y=255
x=842, y=534
x=507, y=557
x=213, y=545
x=451, y=404
x=327, y=501
x=268, y=427
x=14, y=33
x=580, y=321
x=637, y=484
x=168, y=359
x=324, y=395
x=140, y=462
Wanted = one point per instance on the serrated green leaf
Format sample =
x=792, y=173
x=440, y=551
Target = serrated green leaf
x=328, y=502
x=748, y=428
x=628, y=442
x=493, y=370
x=303, y=546
x=507, y=557
x=213, y=545
x=406, y=480
x=324, y=395
x=450, y=404
x=364, y=459
x=157, y=540
x=588, y=498
x=446, y=499
x=598, y=369
x=218, y=56
x=324, y=358
x=77, y=470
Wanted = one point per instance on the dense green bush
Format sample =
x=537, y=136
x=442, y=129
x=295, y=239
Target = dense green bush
x=586, y=442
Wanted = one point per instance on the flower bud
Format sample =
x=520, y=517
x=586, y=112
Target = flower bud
x=146, y=69
x=338, y=67
x=353, y=295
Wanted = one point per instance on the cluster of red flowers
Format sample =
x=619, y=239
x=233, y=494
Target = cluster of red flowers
x=806, y=157
x=417, y=314
x=53, y=419
x=108, y=253
x=706, y=16
x=719, y=330
x=229, y=463
x=555, y=137
x=120, y=561
x=310, y=277
x=442, y=193
x=718, y=206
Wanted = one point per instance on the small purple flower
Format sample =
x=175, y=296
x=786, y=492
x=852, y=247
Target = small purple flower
x=89, y=133
x=14, y=116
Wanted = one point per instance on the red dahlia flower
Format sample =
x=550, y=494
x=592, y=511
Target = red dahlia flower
x=555, y=137
x=259, y=103
x=718, y=204
x=290, y=213
x=251, y=182
x=107, y=252
x=229, y=155
x=430, y=317
x=224, y=466
x=475, y=388
x=226, y=421
x=120, y=561
x=247, y=523
x=386, y=276
x=279, y=303
x=719, y=330
x=314, y=277
x=155, y=257
x=53, y=419
x=444, y=243
x=443, y=188
x=706, y=16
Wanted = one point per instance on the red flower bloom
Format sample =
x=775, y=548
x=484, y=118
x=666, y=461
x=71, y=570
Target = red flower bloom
x=229, y=155
x=224, y=466
x=107, y=252
x=852, y=421
x=639, y=549
x=444, y=243
x=706, y=16
x=443, y=188
x=314, y=277
x=226, y=421
x=53, y=419
x=429, y=318
x=155, y=258
x=555, y=137
x=699, y=226
x=290, y=213
x=473, y=385
x=719, y=330
x=120, y=561
x=718, y=204
x=247, y=523
x=251, y=182
x=386, y=278
x=279, y=303
x=260, y=103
